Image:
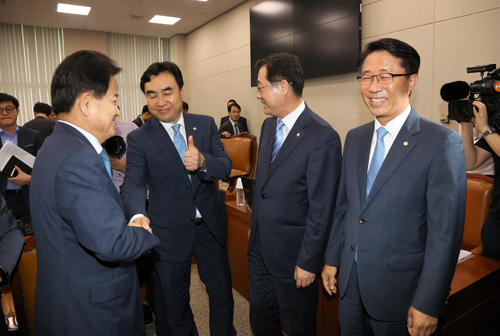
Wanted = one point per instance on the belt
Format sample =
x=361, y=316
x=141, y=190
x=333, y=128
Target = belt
x=13, y=191
x=198, y=221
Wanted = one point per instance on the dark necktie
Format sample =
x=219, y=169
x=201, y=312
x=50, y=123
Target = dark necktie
x=236, y=129
x=105, y=158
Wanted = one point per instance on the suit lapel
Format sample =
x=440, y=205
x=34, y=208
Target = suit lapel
x=364, y=145
x=192, y=129
x=401, y=147
x=266, y=147
x=294, y=137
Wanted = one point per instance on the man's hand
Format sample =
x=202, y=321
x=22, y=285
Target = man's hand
x=21, y=179
x=192, y=158
x=329, y=282
x=303, y=278
x=420, y=324
x=142, y=222
x=480, y=116
x=226, y=134
x=117, y=164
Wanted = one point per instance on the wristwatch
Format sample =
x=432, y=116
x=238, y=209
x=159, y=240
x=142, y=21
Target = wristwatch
x=203, y=166
x=489, y=131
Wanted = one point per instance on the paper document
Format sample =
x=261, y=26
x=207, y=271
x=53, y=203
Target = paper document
x=12, y=155
x=464, y=255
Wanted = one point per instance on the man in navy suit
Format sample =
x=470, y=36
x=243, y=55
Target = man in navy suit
x=179, y=156
x=41, y=123
x=16, y=189
x=241, y=120
x=294, y=197
x=234, y=125
x=401, y=206
x=86, y=278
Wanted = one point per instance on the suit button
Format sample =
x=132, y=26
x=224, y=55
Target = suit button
x=194, y=198
x=352, y=248
x=263, y=197
x=361, y=221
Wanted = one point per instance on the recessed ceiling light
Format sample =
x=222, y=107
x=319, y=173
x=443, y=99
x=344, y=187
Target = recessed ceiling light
x=168, y=20
x=203, y=0
x=73, y=9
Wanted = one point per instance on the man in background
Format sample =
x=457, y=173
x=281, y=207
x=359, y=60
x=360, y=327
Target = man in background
x=401, y=206
x=224, y=119
x=185, y=107
x=86, y=278
x=144, y=117
x=16, y=189
x=296, y=182
x=41, y=123
x=234, y=125
x=179, y=157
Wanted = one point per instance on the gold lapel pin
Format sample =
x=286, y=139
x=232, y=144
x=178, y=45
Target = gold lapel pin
x=298, y=135
x=194, y=128
x=405, y=143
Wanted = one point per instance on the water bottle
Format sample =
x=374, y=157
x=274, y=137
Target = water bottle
x=240, y=194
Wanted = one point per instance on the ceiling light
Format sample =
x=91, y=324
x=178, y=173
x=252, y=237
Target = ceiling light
x=168, y=20
x=73, y=9
x=203, y=0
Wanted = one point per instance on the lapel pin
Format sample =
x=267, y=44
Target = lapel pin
x=194, y=128
x=298, y=135
x=405, y=143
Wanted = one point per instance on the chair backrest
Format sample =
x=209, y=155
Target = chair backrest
x=241, y=149
x=479, y=189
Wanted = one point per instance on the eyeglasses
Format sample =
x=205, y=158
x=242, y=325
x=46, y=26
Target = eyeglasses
x=385, y=78
x=8, y=109
x=259, y=88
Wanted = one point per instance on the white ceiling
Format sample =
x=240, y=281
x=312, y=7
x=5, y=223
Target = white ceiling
x=114, y=15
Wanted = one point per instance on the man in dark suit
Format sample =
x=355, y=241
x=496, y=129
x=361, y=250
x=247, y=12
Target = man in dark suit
x=86, y=278
x=144, y=117
x=41, y=123
x=233, y=126
x=179, y=156
x=296, y=182
x=16, y=189
x=241, y=120
x=11, y=244
x=401, y=205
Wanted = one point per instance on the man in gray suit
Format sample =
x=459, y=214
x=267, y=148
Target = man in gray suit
x=400, y=211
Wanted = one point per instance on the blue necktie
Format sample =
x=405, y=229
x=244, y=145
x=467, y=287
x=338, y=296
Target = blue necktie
x=180, y=143
x=105, y=158
x=278, y=140
x=377, y=159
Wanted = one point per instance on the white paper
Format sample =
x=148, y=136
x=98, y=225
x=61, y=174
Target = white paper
x=464, y=255
x=9, y=149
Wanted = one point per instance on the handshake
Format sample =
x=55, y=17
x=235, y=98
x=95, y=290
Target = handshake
x=142, y=222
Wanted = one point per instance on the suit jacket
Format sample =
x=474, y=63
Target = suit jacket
x=228, y=127
x=11, y=239
x=30, y=141
x=86, y=277
x=242, y=121
x=138, y=121
x=294, y=198
x=41, y=124
x=409, y=229
x=153, y=161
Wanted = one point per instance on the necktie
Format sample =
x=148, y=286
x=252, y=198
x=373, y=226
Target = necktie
x=180, y=143
x=377, y=159
x=236, y=129
x=105, y=158
x=278, y=140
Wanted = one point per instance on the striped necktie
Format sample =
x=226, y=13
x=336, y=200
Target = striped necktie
x=278, y=140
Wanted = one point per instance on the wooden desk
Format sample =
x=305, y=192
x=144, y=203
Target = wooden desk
x=473, y=306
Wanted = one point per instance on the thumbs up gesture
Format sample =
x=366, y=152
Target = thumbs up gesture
x=192, y=158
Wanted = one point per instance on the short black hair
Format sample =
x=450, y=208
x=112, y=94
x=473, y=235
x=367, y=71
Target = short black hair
x=157, y=68
x=231, y=101
x=284, y=66
x=7, y=97
x=145, y=109
x=185, y=106
x=42, y=108
x=231, y=105
x=83, y=71
x=410, y=59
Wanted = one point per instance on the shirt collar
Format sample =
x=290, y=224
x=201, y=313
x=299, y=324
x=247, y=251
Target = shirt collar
x=15, y=132
x=395, y=125
x=168, y=126
x=292, y=117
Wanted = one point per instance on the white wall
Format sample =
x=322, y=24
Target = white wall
x=450, y=35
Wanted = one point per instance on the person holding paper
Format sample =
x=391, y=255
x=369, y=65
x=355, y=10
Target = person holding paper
x=15, y=189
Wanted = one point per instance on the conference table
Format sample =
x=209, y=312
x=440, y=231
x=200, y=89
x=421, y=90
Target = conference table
x=473, y=306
